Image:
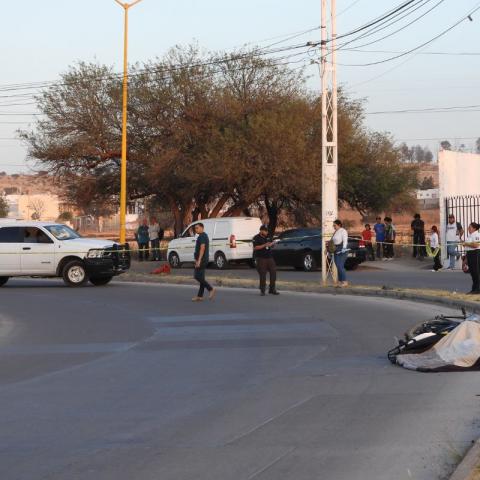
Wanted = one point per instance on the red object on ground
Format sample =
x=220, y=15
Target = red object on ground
x=163, y=270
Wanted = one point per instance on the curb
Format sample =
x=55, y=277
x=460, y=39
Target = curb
x=437, y=297
x=469, y=467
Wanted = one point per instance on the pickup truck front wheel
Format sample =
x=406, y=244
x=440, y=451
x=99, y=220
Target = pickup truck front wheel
x=74, y=273
x=3, y=281
x=100, y=281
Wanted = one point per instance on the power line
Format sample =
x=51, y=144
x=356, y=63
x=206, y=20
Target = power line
x=391, y=34
x=458, y=108
x=428, y=42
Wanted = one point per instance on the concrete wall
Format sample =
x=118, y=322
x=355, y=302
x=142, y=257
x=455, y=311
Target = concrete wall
x=24, y=206
x=459, y=175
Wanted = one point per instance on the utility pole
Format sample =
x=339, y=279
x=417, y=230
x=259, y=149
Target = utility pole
x=123, y=168
x=329, y=133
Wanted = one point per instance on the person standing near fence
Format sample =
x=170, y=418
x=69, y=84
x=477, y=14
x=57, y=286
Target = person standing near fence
x=202, y=256
x=390, y=234
x=435, y=247
x=453, y=235
x=472, y=247
x=340, y=240
x=418, y=231
x=142, y=238
x=379, y=229
x=153, y=233
x=367, y=241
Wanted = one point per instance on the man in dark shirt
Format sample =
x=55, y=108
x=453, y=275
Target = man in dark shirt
x=262, y=252
x=418, y=229
x=201, y=262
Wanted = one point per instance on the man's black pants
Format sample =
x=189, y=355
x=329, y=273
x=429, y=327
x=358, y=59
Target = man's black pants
x=419, y=239
x=143, y=251
x=473, y=259
x=265, y=265
x=199, y=276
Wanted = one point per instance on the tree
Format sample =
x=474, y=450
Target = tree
x=427, y=183
x=446, y=145
x=4, y=207
x=38, y=206
x=209, y=135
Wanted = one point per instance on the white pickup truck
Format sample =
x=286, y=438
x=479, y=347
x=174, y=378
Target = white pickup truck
x=47, y=249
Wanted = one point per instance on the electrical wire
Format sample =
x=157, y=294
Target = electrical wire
x=428, y=42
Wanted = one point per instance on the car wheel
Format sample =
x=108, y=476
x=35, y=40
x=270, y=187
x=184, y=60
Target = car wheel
x=252, y=263
x=174, y=260
x=309, y=264
x=74, y=273
x=3, y=281
x=220, y=261
x=100, y=281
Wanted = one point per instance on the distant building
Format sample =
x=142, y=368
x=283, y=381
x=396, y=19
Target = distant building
x=428, y=198
x=44, y=207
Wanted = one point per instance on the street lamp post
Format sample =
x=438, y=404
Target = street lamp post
x=123, y=168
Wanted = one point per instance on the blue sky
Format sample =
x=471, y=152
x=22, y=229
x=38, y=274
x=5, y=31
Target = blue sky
x=41, y=39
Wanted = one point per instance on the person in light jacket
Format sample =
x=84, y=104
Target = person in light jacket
x=340, y=240
x=434, y=244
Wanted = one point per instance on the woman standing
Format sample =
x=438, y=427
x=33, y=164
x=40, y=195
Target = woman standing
x=434, y=245
x=340, y=240
x=472, y=247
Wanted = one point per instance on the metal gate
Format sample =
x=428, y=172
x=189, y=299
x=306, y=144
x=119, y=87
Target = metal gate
x=465, y=208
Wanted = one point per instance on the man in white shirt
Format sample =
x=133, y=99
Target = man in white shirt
x=472, y=247
x=453, y=235
x=154, y=233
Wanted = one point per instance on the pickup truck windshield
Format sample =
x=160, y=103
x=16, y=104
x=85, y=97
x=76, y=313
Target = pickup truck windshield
x=62, y=232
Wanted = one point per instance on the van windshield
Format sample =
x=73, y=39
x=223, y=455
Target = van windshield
x=62, y=232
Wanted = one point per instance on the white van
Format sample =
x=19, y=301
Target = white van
x=230, y=241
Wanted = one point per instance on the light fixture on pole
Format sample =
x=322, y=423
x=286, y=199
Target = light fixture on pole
x=123, y=168
x=329, y=133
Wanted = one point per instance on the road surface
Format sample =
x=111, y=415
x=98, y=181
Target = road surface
x=136, y=382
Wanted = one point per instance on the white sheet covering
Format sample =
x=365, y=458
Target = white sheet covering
x=460, y=348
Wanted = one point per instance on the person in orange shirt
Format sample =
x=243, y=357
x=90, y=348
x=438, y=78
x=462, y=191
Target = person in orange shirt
x=367, y=235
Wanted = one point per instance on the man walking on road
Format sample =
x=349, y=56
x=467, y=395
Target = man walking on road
x=201, y=261
x=453, y=235
x=262, y=251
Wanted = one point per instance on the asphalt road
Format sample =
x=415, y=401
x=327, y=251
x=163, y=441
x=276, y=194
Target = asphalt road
x=401, y=272
x=136, y=382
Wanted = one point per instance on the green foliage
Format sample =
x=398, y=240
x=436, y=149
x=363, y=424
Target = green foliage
x=427, y=183
x=4, y=208
x=65, y=217
x=209, y=138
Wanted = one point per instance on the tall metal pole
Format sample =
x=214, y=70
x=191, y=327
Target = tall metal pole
x=329, y=133
x=123, y=167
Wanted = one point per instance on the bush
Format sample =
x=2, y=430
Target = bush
x=65, y=217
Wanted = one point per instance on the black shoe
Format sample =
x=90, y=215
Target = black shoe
x=274, y=292
x=262, y=294
x=473, y=292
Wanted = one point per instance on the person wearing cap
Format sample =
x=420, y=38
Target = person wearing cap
x=262, y=252
x=453, y=235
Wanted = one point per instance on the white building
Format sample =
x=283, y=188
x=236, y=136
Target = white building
x=428, y=198
x=33, y=207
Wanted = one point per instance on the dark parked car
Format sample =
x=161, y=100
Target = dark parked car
x=302, y=248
